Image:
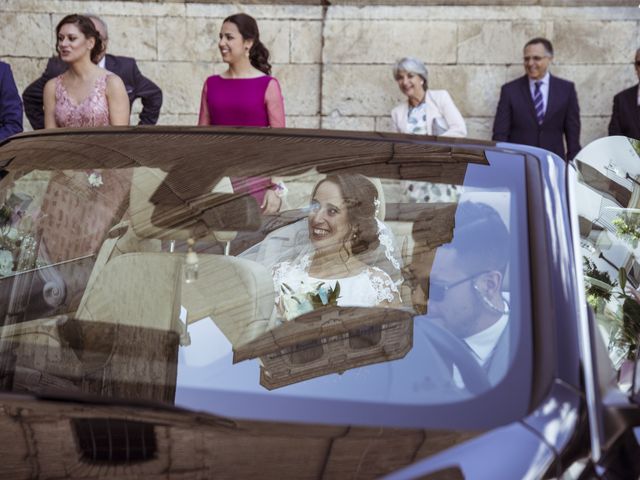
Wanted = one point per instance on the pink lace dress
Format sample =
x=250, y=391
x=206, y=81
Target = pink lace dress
x=93, y=111
x=93, y=200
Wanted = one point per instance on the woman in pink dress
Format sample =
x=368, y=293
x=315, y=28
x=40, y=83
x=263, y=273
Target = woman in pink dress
x=85, y=95
x=245, y=95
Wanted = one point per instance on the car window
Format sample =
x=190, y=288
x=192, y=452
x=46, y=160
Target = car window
x=609, y=221
x=402, y=282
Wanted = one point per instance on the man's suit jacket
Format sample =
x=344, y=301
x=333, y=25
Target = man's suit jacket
x=625, y=119
x=137, y=85
x=516, y=117
x=10, y=104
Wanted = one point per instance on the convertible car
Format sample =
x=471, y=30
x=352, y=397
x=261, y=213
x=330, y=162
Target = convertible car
x=191, y=302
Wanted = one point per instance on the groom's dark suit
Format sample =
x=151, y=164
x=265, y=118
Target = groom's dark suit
x=625, y=119
x=136, y=84
x=516, y=117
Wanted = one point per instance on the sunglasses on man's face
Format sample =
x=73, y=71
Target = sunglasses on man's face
x=438, y=289
x=433, y=289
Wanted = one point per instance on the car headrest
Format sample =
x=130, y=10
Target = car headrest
x=218, y=213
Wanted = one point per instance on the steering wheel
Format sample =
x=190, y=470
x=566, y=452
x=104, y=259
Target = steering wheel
x=455, y=351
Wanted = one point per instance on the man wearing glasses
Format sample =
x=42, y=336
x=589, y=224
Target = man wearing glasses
x=460, y=284
x=539, y=109
x=625, y=119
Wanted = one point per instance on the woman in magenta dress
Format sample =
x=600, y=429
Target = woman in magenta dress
x=245, y=95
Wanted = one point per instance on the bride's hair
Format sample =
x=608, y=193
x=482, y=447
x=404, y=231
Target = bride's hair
x=361, y=199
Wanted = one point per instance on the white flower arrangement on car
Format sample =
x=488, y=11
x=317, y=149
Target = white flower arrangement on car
x=307, y=298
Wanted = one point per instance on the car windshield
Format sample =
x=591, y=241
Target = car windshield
x=159, y=267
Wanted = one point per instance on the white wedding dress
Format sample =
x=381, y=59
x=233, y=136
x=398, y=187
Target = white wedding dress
x=369, y=288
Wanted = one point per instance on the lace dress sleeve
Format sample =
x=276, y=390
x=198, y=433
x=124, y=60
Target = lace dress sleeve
x=387, y=293
x=275, y=104
x=204, y=118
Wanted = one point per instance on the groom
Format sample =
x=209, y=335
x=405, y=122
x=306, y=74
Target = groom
x=462, y=282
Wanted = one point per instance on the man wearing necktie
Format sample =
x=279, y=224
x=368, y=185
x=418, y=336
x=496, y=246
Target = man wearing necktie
x=539, y=109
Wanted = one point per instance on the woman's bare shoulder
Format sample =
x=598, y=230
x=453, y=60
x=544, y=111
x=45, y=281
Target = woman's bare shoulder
x=50, y=85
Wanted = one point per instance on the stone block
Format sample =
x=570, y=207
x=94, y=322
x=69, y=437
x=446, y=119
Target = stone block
x=300, y=86
x=368, y=90
x=180, y=119
x=593, y=128
x=305, y=40
x=275, y=35
x=181, y=84
x=257, y=11
x=26, y=35
x=597, y=84
x=196, y=39
x=299, y=121
x=517, y=70
x=385, y=41
x=188, y=39
x=133, y=36
x=479, y=128
x=25, y=70
x=594, y=42
x=338, y=122
x=385, y=124
x=430, y=13
x=129, y=36
x=475, y=90
x=484, y=42
x=596, y=13
x=99, y=7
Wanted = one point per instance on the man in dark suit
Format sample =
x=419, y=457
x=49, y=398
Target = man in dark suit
x=10, y=104
x=538, y=109
x=459, y=274
x=625, y=119
x=137, y=85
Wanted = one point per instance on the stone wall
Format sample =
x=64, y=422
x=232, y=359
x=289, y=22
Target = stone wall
x=334, y=62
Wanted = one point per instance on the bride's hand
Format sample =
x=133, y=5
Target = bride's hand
x=271, y=203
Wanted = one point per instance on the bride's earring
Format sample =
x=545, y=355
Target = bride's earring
x=490, y=305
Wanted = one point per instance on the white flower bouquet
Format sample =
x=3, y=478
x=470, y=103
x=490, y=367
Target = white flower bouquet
x=307, y=298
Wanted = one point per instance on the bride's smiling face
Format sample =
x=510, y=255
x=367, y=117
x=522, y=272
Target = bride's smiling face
x=328, y=220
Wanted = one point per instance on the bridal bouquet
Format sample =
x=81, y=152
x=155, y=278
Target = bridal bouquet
x=307, y=297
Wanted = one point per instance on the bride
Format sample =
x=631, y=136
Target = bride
x=333, y=266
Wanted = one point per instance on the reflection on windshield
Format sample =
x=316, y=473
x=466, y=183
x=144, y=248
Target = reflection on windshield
x=375, y=288
x=609, y=215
